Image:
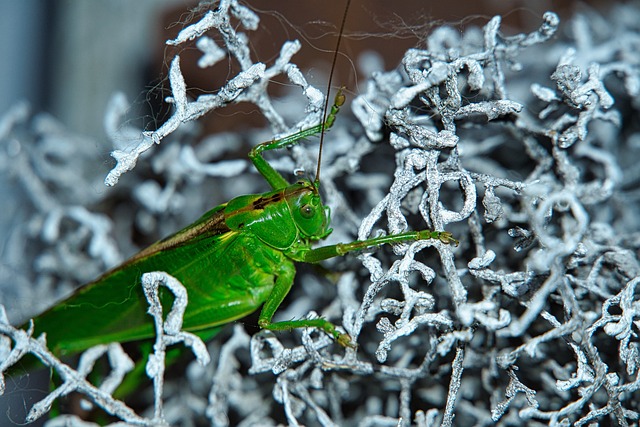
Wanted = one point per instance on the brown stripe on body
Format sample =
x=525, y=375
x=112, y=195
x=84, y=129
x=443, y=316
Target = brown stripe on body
x=213, y=226
x=262, y=202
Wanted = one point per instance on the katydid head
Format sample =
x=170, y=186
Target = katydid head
x=309, y=214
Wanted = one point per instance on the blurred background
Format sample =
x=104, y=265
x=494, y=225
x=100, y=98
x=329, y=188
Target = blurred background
x=68, y=57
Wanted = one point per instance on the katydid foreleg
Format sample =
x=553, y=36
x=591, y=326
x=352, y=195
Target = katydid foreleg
x=275, y=180
x=326, y=252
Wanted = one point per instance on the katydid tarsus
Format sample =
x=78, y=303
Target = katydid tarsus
x=237, y=258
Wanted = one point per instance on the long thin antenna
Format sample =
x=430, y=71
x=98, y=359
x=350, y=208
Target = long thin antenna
x=326, y=101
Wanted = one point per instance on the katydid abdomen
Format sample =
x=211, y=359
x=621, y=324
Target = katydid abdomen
x=228, y=274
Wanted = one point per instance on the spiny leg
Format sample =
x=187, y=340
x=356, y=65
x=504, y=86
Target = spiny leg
x=283, y=284
x=326, y=252
x=273, y=177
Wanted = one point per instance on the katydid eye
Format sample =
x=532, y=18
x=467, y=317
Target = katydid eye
x=307, y=211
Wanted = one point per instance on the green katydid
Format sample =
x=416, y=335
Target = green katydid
x=236, y=258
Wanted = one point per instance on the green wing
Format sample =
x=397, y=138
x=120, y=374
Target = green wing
x=213, y=262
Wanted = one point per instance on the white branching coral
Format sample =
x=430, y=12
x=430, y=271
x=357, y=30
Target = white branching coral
x=249, y=85
x=523, y=146
x=15, y=343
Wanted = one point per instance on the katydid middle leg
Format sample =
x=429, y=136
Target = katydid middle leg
x=284, y=281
